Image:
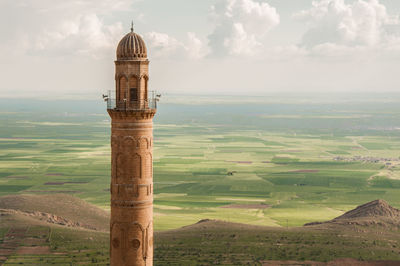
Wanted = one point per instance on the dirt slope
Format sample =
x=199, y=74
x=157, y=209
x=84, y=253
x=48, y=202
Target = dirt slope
x=59, y=209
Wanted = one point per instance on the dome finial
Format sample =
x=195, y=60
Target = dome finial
x=131, y=47
x=132, y=26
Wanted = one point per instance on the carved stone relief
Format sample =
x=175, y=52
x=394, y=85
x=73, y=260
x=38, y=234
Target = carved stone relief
x=128, y=167
x=143, y=143
x=137, y=169
x=128, y=191
x=135, y=244
x=131, y=236
x=148, y=165
x=131, y=203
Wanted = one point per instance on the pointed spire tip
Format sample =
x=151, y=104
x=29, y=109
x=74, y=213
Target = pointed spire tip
x=132, y=26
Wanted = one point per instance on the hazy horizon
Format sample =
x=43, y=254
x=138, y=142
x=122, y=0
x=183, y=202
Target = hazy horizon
x=189, y=98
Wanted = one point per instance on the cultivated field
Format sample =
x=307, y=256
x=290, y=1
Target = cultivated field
x=251, y=161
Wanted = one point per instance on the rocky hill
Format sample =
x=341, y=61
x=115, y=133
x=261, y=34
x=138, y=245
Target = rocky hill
x=377, y=208
x=60, y=209
x=375, y=212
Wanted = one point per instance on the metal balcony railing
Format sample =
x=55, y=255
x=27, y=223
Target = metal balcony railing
x=148, y=104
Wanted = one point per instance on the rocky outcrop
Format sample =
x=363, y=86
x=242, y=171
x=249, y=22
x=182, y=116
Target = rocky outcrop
x=376, y=208
x=48, y=218
x=377, y=212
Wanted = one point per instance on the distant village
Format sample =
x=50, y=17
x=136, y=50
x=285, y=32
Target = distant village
x=367, y=159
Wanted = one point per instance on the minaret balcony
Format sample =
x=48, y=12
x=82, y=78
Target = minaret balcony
x=125, y=105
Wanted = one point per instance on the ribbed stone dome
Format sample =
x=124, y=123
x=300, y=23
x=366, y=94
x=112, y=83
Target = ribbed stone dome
x=131, y=47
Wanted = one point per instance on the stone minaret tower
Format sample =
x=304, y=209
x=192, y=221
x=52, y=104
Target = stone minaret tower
x=132, y=113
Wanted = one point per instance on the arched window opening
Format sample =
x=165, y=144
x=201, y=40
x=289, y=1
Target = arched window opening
x=133, y=89
x=133, y=92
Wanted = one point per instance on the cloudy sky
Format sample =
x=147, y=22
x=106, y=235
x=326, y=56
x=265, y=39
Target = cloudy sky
x=59, y=48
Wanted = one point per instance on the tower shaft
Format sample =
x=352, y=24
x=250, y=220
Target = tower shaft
x=131, y=188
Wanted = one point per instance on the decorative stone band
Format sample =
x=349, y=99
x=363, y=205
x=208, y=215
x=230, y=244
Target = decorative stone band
x=131, y=190
x=131, y=204
x=137, y=114
x=122, y=125
x=130, y=142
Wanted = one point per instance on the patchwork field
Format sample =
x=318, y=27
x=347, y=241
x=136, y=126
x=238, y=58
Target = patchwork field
x=251, y=161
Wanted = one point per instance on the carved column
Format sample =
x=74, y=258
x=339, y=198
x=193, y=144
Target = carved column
x=131, y=224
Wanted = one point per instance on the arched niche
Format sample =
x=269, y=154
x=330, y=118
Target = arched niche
x=129, y=143
x=120, y=168
x=127, y=167
x=143, y=143
x=136, y=242
x=117, y=242
x=115, y=151
x=137, y=166
x=148, y=165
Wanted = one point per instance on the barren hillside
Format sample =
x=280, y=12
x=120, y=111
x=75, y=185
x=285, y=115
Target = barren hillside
x=59, y=209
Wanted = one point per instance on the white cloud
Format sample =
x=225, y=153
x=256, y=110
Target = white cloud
x=240, y=26
x=195, y=48
x=84, y=35
x=164, y=46
x=335, y=25
x=59, y=28
x=161, y=44
x=76, y=6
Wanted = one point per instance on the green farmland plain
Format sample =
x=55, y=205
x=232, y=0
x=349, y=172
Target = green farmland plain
x=258, y=161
